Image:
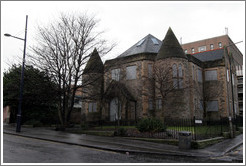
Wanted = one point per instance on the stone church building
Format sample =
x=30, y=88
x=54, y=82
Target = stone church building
x=155, y=78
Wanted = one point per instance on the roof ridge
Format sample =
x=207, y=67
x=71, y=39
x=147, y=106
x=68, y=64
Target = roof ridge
x=208, y=51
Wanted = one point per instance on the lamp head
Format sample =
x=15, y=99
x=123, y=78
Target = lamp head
x=6, y=34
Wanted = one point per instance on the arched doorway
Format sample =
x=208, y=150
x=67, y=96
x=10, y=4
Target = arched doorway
x=115, y=109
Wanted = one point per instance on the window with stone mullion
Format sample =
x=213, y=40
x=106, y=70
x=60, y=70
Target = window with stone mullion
x=177, y=77
x=180, y=77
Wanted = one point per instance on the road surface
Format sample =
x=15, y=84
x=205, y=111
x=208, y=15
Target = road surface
x=18, y=149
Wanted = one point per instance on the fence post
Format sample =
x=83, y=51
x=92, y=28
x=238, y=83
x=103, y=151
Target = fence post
x=194, y=123
x=221, y=127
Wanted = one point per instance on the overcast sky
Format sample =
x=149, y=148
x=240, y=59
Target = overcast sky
x=125, y=22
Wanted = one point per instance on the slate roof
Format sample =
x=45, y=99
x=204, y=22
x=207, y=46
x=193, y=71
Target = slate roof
x=94, y=64
x=170, y=47
x=149, y=44
x=210, y=55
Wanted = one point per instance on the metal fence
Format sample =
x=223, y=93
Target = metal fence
x=199, y=128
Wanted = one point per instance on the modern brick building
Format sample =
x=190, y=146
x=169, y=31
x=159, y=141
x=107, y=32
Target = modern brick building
x=214, y=44
x=158, y=78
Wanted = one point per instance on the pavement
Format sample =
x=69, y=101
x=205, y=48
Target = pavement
x=126, y=144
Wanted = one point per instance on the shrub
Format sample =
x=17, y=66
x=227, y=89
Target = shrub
x=120, y=132
x=34, y=123
x=150, y=125
x=84, y=126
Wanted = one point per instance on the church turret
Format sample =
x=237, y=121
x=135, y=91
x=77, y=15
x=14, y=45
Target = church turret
x=170, y=47
x=94, y=64
x=174, y=66
x=92, y=81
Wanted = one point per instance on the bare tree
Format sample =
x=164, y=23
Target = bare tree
x=210, y=90
x=160, y=83
x=62, y=50
x=167, y=83
x=162, y=78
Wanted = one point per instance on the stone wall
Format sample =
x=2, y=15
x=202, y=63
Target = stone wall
x=139, y=87
x=186, y=102
x=177, y=103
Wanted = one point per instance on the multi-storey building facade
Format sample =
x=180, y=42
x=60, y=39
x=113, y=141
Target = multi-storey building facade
x=158, y=78
x=214, y=44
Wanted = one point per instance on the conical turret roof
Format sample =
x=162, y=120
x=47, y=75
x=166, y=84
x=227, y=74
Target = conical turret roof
x=170, y=47
x=94, y=64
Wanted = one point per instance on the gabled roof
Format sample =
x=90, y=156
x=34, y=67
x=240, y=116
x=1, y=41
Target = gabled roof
x=115, y=89
x=94, y=64
x=210, y=55
x=149, y=44
x=170, y=47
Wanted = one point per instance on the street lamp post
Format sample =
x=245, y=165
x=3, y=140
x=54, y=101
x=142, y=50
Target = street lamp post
x=18, y=125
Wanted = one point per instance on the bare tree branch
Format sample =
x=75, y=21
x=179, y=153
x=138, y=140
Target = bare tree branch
x=62, y=50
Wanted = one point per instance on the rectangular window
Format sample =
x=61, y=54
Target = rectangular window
x=115, y=74
x=211, y=75
x=150, y=104
x=211, y=46
x=199, y=75
x=158, y=104
x=202, y=48
x=77, y=102
x=212, y=106
x=201, y=105
x=131, y=72
x=92, y=107
x=150, y=70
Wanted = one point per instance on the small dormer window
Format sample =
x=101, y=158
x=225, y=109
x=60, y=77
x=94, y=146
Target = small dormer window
x=155, y=41
x=141, y=42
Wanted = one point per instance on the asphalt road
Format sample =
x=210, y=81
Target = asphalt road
x=235, y=155
x=18, y=149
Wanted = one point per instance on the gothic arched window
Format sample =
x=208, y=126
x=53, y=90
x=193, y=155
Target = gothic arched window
x=180, y=77
x=177, y=76
x=174, y=70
